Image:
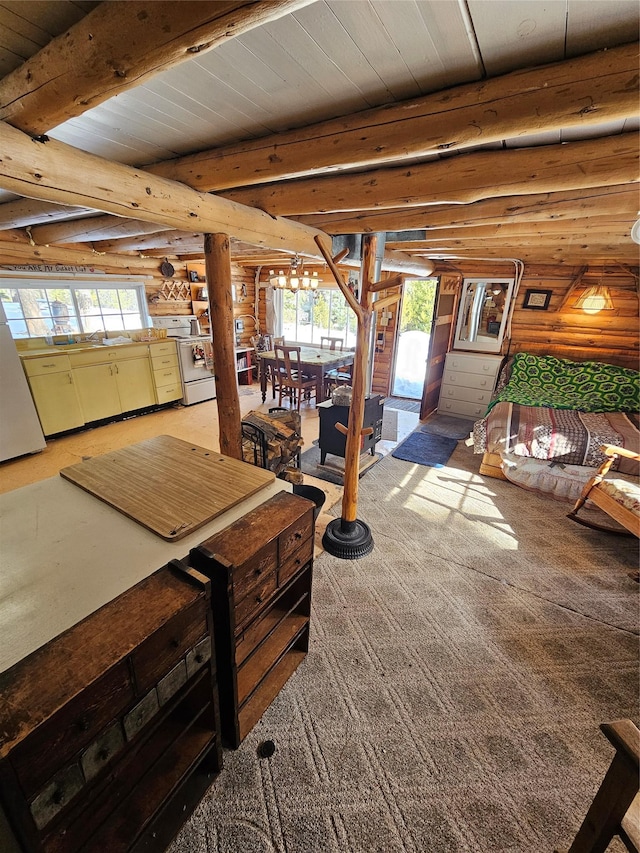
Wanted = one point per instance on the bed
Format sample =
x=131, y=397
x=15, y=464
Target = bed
x=549, y=418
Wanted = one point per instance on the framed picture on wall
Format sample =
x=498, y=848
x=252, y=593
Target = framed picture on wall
x=537, y=299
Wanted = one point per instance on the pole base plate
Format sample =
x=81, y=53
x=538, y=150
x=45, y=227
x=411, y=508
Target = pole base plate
x=348, y=540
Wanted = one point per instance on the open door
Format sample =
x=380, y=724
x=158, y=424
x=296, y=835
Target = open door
x=444, y=322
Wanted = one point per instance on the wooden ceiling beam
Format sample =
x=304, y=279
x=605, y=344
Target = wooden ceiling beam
x=465, y=178
x=92, y=61
x=105, y=227
x=581, y=92
x=614, y=226
x=24, y=212
x=49, y=170
x=567, y=205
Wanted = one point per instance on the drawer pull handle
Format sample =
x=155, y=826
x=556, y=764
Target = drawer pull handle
x=297, y=535
x=103, y=754
x=258, y=571
x=58, y=796
x=259, y=599
x=174, y=643
x=199, y=658
x=83, y=725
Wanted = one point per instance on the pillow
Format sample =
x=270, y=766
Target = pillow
x=559, y=383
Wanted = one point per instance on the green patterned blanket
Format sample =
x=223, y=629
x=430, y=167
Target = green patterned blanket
x=558, y=383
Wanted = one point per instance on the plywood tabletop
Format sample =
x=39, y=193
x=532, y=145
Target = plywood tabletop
x=168, y=485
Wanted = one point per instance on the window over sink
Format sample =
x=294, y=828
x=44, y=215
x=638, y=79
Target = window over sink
x=39, y=307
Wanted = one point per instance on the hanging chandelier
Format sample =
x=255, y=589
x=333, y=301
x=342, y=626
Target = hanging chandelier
x=297, y=278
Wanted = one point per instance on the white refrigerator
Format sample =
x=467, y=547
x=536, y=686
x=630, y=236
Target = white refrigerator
x=20, y=430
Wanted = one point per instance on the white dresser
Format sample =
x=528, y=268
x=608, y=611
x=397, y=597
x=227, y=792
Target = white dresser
x=467, y=383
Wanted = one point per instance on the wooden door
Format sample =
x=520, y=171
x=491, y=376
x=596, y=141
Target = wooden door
x=444, y=321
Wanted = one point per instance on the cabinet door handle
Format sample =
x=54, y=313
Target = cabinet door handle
x=116, y=367
x=70, y=375
x=111, y=369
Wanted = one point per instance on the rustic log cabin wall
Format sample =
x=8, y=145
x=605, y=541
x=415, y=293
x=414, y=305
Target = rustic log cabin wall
x=611, y=336
x=176, y=295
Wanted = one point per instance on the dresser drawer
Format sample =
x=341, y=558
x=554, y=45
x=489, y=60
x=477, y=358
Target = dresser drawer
x=291, y=538
x=262, y=564
x=467, y=395
x=468, y=363
x=251, y=603
x=468, y=380
x=465, y=410
x=47, y=364
x=157, y=655
x=295, y=562
x=64, y=734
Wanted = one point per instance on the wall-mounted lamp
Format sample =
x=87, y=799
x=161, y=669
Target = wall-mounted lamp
x=595, y=298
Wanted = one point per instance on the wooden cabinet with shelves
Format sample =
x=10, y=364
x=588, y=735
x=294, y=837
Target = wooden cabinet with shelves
x=261, y=572
x=244, y=365
x=110, y=732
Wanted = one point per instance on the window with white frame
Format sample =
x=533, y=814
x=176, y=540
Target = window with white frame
x=307, y=315
x=40, y=308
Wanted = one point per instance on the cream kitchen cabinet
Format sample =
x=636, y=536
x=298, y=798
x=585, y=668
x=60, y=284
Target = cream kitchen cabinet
x=467, y=384
x=113, y=380
x=54, y=392
x=166, y=371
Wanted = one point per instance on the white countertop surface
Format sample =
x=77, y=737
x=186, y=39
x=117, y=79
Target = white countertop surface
x=64, y=554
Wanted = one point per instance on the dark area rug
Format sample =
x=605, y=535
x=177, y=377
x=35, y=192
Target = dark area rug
x=333, y=469
x=402, y=405
x=447, y=425
x=426, y=449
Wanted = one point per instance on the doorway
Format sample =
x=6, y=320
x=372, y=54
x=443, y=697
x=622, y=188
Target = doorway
x=413, y=336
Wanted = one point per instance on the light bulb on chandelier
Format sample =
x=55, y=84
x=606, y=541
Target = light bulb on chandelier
x=295, y=279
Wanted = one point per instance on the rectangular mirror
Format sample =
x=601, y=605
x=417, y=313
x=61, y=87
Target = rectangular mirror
x=482, y=314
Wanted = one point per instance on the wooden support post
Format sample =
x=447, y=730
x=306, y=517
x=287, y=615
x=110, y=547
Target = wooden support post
x=218, y=270
x=348, y=537
x=361, y=359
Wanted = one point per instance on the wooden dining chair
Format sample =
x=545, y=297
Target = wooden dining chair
x=331, y=343
x=290, y=376
x=337, y=376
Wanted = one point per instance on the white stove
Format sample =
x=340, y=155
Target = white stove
x=195, y=357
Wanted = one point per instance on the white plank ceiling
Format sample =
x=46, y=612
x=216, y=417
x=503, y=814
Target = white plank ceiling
x=328, y=59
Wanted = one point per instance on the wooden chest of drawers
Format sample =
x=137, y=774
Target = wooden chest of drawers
x=261, y=571
x=109, y=734
x=467, y=384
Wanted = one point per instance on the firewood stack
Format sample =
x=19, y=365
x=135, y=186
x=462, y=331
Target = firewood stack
x=281, y=444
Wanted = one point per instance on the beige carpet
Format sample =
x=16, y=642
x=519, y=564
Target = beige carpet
x=455, y=683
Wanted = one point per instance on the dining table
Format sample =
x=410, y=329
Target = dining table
x=314, y=361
